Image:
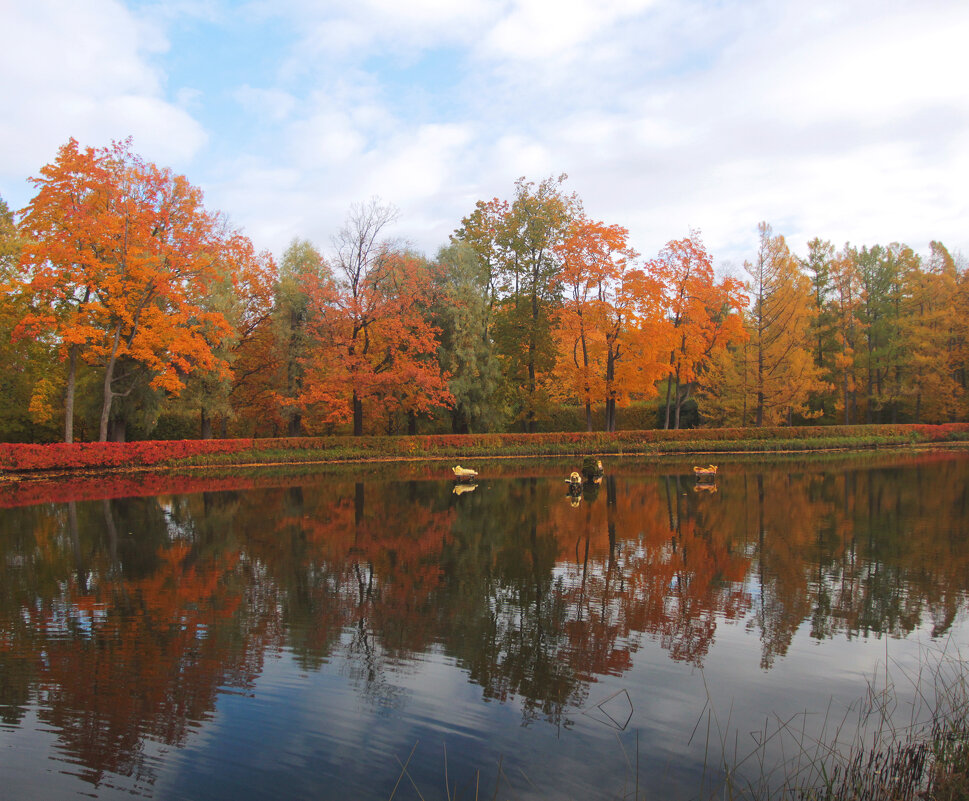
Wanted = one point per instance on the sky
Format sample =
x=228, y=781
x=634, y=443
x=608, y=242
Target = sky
x=844, y=119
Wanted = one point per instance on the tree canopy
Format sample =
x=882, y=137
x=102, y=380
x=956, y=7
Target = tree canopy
x=132, y=310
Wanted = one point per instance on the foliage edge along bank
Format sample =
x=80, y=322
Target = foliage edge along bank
x=132, y=312
x=25, y=458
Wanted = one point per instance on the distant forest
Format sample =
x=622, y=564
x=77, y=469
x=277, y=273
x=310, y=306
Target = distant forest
x=131, y=312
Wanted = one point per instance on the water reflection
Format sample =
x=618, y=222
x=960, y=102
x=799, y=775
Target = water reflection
x=122, y=621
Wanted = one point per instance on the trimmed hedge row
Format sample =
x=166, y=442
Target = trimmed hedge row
x=111, y=454
x=20, y=457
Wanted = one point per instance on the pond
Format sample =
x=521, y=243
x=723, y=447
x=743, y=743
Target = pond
x=308, y=634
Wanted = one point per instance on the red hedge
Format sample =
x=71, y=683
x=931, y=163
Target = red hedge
x=23, y=457
x=111, y=454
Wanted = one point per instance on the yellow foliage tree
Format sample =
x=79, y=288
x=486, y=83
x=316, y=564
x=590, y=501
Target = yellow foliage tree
x=769, y=380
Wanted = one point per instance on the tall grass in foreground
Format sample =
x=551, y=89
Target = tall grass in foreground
x=872, y=750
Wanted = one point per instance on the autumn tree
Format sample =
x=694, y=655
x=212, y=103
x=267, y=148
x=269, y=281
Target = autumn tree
x=772, y=378
x=419, y=386
x=121, y=255
x=244, y=295
x=960, y=333
x=930, y=336
x=785, y=375
x=369, y=336
x=595, y=258
x=703, y=314
x=636, y=335
x=845, y=306
x=57, y=286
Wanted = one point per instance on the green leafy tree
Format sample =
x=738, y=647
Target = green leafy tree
x=844, y=305
x=243, y=393
x=462, y=314
x=879, y=319
x=29, y=387
x=517, y=243
x=818, y=267
x=301, y=262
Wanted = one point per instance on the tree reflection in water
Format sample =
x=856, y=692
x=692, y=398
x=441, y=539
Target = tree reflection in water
x=122, y=620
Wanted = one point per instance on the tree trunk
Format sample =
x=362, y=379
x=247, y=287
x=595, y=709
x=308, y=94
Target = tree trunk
x=610, y=397
x=459, y=422
x=846, y=398
x=532, y=349
x=69, y=396
x=760, y=382
x=588, y=402
x=669, y=387
x=869, y=407
x=678, y=398
x=108, y=378
x=530, y=414
x=205, y=424
x=411, y=423
x=743, y=418
x=669, y=384
x=357, y=415
x=72, y=380
x=117, y=430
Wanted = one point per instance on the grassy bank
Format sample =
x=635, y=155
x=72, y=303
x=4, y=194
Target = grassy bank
x=18, y=458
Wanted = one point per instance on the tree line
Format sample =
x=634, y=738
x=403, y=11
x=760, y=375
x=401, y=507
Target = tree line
x=131, y=311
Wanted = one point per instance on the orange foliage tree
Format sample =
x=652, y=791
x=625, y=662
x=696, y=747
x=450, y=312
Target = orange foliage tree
x=250, y=282
x=121, y=256
x=243, y=394
x=594, y=256
x=705, y=315
x=930, y=334
x=611, y=327
x=370, y=335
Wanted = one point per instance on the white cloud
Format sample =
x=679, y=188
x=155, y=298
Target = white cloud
x=541, y=30
x=420, y=165
x=843, y=120
x=83, y=70
x=794, y=117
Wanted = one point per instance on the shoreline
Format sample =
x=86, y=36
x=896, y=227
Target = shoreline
x=755, y=447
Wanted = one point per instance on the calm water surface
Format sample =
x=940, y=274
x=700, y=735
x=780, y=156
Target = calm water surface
x=302, y=636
